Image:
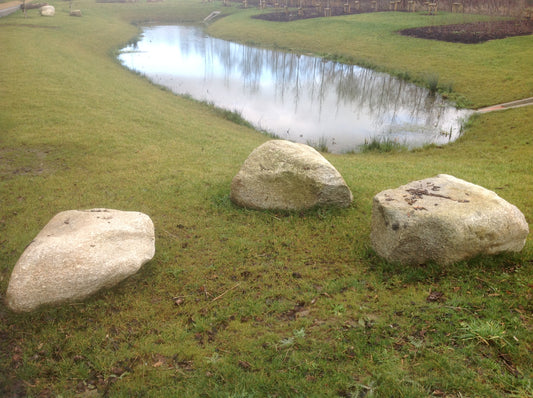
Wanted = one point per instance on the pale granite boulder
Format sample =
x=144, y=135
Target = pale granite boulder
x=282, y=175
x=47, y=11
x=444, y=220
x=78, y=253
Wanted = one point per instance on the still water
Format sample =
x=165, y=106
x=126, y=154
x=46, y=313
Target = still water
x=296, y=97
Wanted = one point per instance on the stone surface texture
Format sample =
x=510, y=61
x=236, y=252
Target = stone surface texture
x=282, y=175
x=47, y=11
x=444, y=220
x=78, y=253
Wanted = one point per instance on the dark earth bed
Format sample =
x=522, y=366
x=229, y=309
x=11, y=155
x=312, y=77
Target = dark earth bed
x=468, y=33
x=472, y=33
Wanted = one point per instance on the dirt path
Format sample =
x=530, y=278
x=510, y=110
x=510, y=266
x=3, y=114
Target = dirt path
x=507, y=105
x=10, y=4
x=9, y=7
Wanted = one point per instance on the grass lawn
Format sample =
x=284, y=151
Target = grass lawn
x=307, y=309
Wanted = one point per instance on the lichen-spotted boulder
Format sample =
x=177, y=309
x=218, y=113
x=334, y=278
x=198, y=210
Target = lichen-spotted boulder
x=444, y=220
x=78, y=253
x=282, y=175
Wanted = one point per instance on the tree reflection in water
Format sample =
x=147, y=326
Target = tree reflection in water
x=297, y=97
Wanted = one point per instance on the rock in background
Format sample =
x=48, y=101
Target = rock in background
x=47, y=11
x=444, y=220
x=78, y=253
x=282, y=175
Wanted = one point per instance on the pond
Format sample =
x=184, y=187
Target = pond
x=292, y=96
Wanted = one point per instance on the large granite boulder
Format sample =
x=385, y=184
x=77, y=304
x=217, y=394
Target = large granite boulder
x=78, y=253
x=283, y=175
x=47, y=11
x=444, y=219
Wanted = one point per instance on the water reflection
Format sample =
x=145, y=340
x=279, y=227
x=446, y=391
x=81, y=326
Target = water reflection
x=296, y=97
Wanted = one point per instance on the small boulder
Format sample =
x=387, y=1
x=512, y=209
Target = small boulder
x=78, y=253
x=75, y=13
x=47, y=11
x=444, y=219
x=283, y=175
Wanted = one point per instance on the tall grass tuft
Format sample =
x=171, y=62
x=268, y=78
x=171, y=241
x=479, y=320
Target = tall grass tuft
x=233, y=116
x=382, y=145
x=321, y=145
x=488, y=332
x=432, y=81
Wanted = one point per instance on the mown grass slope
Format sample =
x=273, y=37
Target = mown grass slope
x=270, y=303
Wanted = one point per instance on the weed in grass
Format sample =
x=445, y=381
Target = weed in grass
x=364, y=390
x=286, y=342
x=488, y=332
x=338, y=309
x=213, y=359
x=299, y=333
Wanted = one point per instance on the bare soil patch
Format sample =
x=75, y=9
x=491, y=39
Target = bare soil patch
x=468, y=33
x=472, y=33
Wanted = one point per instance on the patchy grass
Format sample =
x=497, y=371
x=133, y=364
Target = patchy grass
x=237, y=302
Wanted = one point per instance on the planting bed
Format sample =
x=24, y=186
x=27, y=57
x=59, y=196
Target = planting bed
x=468, y=33
x=472, y=33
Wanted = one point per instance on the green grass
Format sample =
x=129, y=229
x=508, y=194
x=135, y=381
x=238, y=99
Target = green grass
x=306, y=308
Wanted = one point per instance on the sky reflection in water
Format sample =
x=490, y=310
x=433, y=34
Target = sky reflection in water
x=297, y=97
